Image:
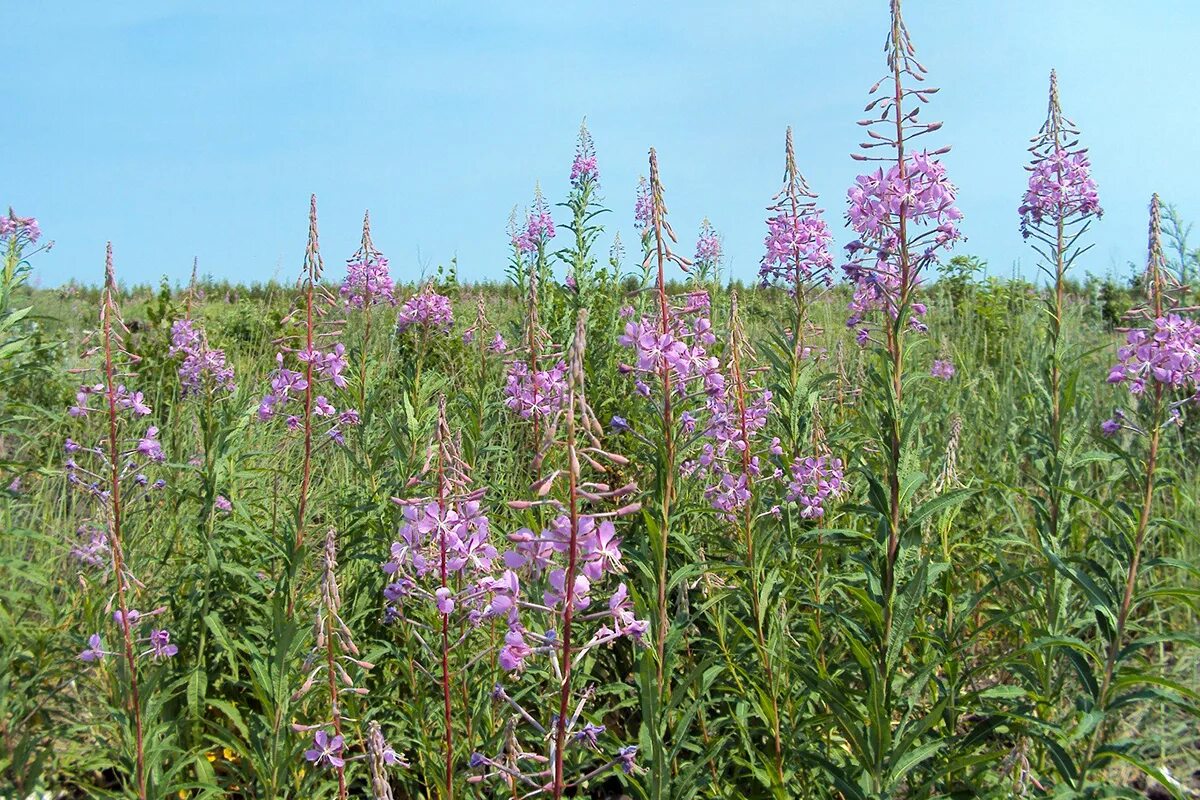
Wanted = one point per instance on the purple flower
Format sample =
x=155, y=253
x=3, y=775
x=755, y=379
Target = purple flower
x=627, y=756
x=515, y=651
x=133, y=616
x=23, y=229
x=643, y=206
x=797, y=249
x=95, y=649
x=426, y=309
x=815, y=480
x=925, y=198
x=1168, y=353
x=539, y=226
x=537, y=394
x=222, y=504
x=942, y=370
x=160, y=644
x=583, y=168
x=326, y=750
x=1060, y=187
x=367, y=281
x=445, y=600
x=708, y=245
x=1110, y=427
x=587, y=735
x=149, y=446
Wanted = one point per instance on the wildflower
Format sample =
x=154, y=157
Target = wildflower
x=539, y=226
x=20, y=228
x=367, y=279
x=797, y=242
x=95, y=649
x=643, y=206
x=797, y=248
x=587, y=735
x=326, y=750
x=1060, y=186
x=426, y=309
x=160, y=644
x=924, y=197
x=583, y=168
x=627, y=755
x=149, y=446
x=708, y=245
x=815, y=480
x=535, y=394
x=1167, y=353
x=221, y=503
x=942, y=370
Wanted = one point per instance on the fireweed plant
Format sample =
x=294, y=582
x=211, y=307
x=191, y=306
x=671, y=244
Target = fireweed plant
x=1056, y=211
x=293, y=396
x=424, y=320
x=673, y=375
x=328, y=675
x=19, y=238
x=535, y=384
x=554, y=596
x=668, y=344
x=731, y=466
x=851, y=563
x=206, y=378
x=904, y=215
x=442, y=583
x=1160, y=366
x=796, y=256
x=367, y=284
x=109, y=472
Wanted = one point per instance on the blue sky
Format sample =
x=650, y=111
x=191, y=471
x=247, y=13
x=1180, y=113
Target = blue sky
x=186, y=129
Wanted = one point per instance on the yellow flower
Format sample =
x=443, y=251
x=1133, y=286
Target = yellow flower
x=229, y=754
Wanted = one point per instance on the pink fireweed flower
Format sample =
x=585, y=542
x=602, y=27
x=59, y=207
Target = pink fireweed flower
x=1060, y=185
x=923, y=193
x=91, y=549
x=21, y=229
x=643, y=206
x=682, y=348
x=288, y=388
x=925, y=198
x=815, y=480
x=367, y=279
x=149, y=446
x=426, y=309
x=326, y=750
x=583, y=167
x=796, y=243
x=95, y=650
x=1168, y=353
x=942, y=369
x=537, y=394
x=708, y=245
x=160, y=644
x=539, y=226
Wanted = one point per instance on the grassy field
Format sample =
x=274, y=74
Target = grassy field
x=995, y=705
x=876, y=527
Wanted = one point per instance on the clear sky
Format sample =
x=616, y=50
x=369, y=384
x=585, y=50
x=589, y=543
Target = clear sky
x=199, y=129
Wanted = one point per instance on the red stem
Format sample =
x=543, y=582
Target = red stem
x=118, y=556
x=564, y=700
